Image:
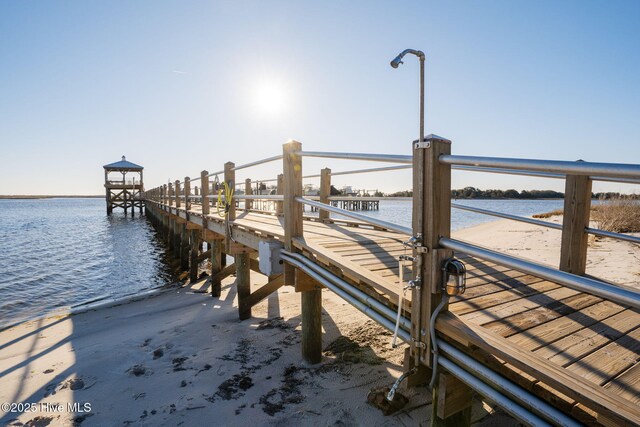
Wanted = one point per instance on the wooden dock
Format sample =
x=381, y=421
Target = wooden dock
x=577, y=352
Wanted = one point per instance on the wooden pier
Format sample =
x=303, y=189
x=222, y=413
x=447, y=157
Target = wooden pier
x=564, y=342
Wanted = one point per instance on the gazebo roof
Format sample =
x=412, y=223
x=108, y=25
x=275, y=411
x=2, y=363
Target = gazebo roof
x=123, y=165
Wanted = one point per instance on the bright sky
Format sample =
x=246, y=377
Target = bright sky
x=181, y=86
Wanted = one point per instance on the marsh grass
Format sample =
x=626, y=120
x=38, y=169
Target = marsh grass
x=620, y=215
x=549, y=214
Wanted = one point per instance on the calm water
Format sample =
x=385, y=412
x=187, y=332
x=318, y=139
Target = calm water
x=61, y=252
x=58, y=253
x=399, y=211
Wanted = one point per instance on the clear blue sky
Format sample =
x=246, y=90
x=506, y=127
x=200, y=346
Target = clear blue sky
x=181, y=86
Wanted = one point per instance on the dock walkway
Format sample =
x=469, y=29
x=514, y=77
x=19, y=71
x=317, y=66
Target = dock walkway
x=576, y=352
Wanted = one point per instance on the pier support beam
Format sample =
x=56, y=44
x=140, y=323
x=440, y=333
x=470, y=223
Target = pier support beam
x=193, y=255
x=216, y=266
x=312, y=325
x=184, y=247
x=451, y=403
x=311, y=298
x=243, y=282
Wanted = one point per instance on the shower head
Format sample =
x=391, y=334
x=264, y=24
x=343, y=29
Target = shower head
x=398, y=59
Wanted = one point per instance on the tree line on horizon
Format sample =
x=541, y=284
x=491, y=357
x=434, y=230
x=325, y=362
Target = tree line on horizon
x=476, y=193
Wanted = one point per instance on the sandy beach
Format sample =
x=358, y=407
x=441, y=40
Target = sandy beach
x=184, y=358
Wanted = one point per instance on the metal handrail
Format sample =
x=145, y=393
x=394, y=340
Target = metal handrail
x=503, y=385
x=377, y=222
x=215, y=173
x=594, y=231
x=508, y=171
x=602, y=289
x=259, y=197
x=391, y=158
x=539, y=174
x=616, y=170
x=612, y=235
x=257, y=162
x=507, y=216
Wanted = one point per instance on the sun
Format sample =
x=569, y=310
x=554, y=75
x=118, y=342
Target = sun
x=269, y=98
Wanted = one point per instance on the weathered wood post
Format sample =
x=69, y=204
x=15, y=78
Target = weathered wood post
x=204, y=193
x=177, y=194
x=193, y=255
x=230, y=215
x=214, y=245
x=325, y=192
x=191, y=243
x=172, y=230
x=187, y=194
x=311, y=297
x=279, y=191
x=577, y=207
x=248, y=191
x=243, y=282
x=216, y=266
x=431, y=222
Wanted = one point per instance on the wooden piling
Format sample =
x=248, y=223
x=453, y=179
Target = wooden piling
x=243, y=282
x=325, y=192
x=432, y=221
x=204, y=192
x=193, y=255
x=187, y=194
x=216, y=266
x=184, y=247
x=230, y=179
x=177, y=194
x=311, y=300
x=577, y=207
x=279, y=191
x=248, y=191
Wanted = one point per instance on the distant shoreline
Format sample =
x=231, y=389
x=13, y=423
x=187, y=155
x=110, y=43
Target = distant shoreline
x=25, y=197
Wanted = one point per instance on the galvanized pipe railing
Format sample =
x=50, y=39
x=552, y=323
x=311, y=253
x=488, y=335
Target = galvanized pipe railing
x=506, y=403
x=350, y=289
x=540, y=174
x=613, y=235
x=390, y=158
x=605, y=290
x=383, y=320
x=350, y=214
x=506, y=386
x=615, y=170
x=257, y=162
x=507, y=216
x=259, y=197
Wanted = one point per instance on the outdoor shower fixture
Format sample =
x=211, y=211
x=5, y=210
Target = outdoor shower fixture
x=397, y=61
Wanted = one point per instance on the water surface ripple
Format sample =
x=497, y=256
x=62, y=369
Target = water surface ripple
x=60, y=252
